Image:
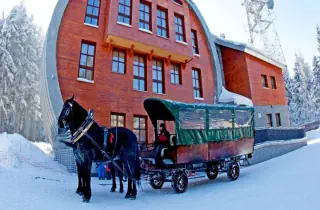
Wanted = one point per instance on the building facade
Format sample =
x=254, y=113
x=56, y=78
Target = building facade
x=113, y=54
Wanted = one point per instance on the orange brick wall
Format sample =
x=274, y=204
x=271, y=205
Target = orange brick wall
x=260, y=95
x=235, y=71
x=243, y=76
x=112, y=92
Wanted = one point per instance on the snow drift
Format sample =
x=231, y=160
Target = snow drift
x=229, y=97
x=16, y=152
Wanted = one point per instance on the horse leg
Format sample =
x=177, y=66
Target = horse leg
x=79, y=190
x=129, y=191
x=113, y=174
x=134, y=190
x=120, y=179
x=87, y=178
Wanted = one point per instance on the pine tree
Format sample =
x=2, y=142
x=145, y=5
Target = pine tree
x=316, y=84
x=316, y=77
x=22, y=39
x=302, y=104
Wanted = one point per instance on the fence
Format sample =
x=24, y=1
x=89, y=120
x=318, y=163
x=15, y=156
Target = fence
x=277, y=134
x=66, y=158
x=312, y=126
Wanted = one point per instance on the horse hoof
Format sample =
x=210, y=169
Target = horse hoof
x=121, y=190
x=85, y=200
x=133, y=197
x=113, y=190
x=127, y=196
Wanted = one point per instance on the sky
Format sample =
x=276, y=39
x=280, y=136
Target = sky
x=296, y=21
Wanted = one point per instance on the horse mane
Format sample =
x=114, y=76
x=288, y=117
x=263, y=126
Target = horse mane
x=79, y=114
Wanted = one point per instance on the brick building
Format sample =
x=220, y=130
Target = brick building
x=113, y=54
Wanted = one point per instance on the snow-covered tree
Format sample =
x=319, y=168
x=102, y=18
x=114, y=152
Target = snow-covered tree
x=302, y=102
x=316, y=84
x=22, y=40
x=316, y=76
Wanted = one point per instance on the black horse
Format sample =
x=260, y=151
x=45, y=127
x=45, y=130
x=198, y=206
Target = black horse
x=121, y=143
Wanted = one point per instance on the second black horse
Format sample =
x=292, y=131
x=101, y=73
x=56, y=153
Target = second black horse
x=121, y=143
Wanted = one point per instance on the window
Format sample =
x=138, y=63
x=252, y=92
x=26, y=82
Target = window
x=140, y=128
x=196, y=82
x=175, y=74
x=118, y=61
x=139, y=73
x=145, y=17
x=162, y=29
x=195, y=48
x=269, y=120
x=92, y=14
x=86, y=65
x=264, y=81
x=273, y=83
x=278, y=120
x=118, y=120
x=157, y=76
x=191, y=118
x=124, y=12
x=178, y=2
x=179, y=24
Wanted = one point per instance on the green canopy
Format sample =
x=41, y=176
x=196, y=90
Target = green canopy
x=198, y=123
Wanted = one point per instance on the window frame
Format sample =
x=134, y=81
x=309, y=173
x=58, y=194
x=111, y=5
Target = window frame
x=117, y=114
x=161, y=28
x=199, y=82
x=162, y=75
x=179, y=2
x=139, y=129
x=183, y=33
x=269, y=120
x=118, y=61
x=145, y=3
x=87, y=68
x=273, y=82
x=124, y=15
x=174, y=73
x=278, y=120
x=92, y=15
x=195, y=44
x=139, y=78
x=264, y=81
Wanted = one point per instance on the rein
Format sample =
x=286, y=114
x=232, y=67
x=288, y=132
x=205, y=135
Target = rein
x=83, y=131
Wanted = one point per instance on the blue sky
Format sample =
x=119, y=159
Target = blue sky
x=296, y=21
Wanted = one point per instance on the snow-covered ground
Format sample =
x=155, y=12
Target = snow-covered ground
x=286, y=183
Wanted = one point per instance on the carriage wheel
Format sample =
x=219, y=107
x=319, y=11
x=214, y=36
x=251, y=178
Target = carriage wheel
x=157, y=181
x=233, y=171
x=179, y=182
x=212, y=171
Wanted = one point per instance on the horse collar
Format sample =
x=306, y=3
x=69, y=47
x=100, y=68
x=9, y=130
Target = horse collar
x=83, y=129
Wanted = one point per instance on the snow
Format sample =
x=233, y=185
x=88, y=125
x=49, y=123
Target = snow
x=287, y=182
x=18, y=152
x=227, y=97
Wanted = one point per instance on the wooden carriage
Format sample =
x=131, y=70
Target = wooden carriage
x=205, y=136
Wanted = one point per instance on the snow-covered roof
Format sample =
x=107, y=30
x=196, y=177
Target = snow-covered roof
x=247, y=49
x=229, y=97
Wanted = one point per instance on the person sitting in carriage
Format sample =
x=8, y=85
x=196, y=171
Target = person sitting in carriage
x=162, y=142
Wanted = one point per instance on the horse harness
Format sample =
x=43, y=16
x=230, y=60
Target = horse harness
x=83, y=131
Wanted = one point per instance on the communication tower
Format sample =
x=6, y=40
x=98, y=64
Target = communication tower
x=261, y=27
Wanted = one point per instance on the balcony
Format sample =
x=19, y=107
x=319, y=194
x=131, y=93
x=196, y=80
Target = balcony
x=150, y=50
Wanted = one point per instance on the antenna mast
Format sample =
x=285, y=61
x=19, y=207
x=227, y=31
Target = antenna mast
x=261, y=27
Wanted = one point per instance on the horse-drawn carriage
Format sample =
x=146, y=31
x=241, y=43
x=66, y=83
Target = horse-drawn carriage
x=206, y=138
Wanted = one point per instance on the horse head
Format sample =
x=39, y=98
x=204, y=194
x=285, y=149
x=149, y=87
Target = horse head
x=65, y=117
